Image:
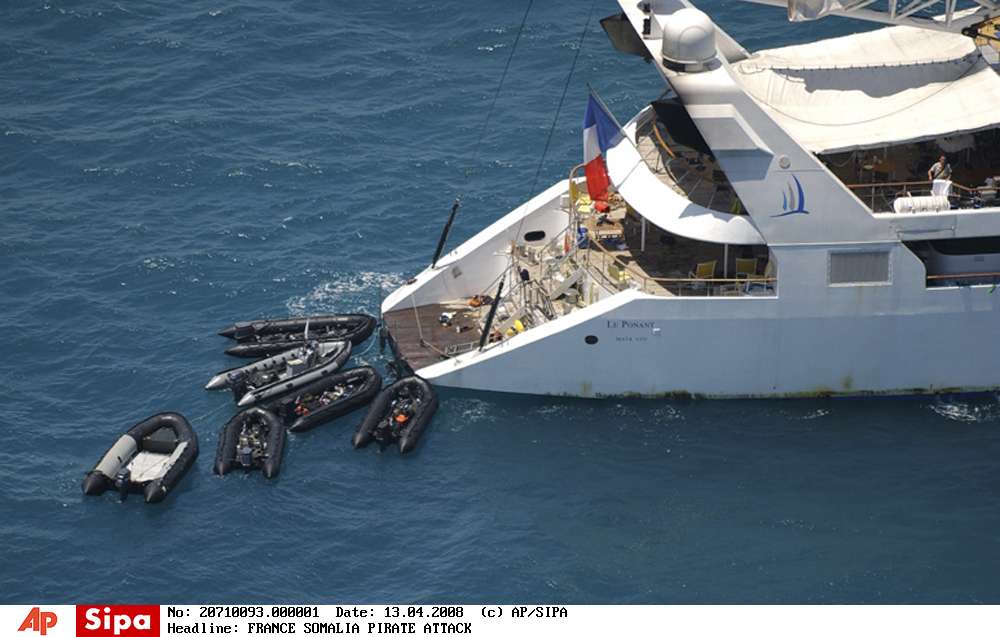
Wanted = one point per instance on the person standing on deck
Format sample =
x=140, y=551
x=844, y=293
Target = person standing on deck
x=940, y=170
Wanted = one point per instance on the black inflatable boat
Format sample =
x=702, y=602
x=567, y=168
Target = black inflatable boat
x=151, y=458
x=264, y=338
x=399, y=414
x=252, y=439
x=282, y=373
x=328, y=398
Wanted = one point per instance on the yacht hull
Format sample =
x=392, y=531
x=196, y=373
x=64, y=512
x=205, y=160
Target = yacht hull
x=809, y=337
x=709, y=348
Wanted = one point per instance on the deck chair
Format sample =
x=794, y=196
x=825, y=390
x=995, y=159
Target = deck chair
x=704, y=270
x=746, y=268
x=760, y=283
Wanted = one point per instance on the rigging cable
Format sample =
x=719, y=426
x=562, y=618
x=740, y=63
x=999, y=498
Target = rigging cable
x=443, y=240
x=555, y=120
x=496, y=95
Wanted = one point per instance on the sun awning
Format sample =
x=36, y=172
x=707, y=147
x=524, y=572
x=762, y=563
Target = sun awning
x=889, y=86
x=663, y=207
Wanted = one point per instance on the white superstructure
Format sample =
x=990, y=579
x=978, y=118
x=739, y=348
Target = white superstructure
x=774, y=230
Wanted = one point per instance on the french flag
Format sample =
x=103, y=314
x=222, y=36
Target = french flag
x=600, y=132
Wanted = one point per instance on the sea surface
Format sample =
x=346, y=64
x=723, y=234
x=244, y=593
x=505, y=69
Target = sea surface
x=167, y=168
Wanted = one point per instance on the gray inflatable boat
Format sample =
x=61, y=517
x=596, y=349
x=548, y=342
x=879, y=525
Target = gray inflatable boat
x=151, y=458
x=282, y=373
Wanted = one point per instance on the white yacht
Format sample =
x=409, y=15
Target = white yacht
x=778, y=225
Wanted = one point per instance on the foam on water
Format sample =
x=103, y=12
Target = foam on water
x=363, y=289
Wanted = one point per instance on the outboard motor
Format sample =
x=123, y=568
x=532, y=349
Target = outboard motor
x=238, y=383
x=244, y=453
x=122, y=481
x=245, y=456
x=382, y=434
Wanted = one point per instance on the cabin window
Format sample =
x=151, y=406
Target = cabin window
x=848, y=268
x=534, y=235
x=967, y=247
x=951, y=262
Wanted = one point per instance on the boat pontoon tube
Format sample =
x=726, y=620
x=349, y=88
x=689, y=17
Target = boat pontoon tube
x=150, y=458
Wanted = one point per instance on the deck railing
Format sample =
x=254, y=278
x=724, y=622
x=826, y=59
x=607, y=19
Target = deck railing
x=968, y=278
x=755, y=285
x=880, y=195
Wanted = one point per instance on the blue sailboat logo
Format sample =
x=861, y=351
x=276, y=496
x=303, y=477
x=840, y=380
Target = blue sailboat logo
x=793, y=201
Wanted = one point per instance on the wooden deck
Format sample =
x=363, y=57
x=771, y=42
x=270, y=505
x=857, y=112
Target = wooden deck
x=422, y=343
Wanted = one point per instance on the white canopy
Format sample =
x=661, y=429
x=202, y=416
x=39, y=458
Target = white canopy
x=879, y=88
x=663, y=207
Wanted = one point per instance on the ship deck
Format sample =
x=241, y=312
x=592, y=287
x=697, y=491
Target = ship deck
x=663, y=263
x=419, y=337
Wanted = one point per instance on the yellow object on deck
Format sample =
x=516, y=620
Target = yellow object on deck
x=574, y=193
x=518, y=325
x=746, y=267
x=991, y=30
x=704, y=270
x=619, y=274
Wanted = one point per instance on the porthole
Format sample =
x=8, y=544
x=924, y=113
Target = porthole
x=590, y=340
x=534, y=235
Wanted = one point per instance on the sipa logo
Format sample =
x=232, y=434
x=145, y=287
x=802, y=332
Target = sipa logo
x=117, y=621
x=39, y=621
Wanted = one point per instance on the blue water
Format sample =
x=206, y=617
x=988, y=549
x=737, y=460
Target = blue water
x=167, y=168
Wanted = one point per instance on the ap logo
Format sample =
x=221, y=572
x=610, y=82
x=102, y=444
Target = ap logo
x=39, y=621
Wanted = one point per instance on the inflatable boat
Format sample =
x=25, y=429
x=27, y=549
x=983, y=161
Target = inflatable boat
x=151, y=458
x=282, y=373
x=399, y=414
x=328, y=398
x=252, y=439
x=264, y=338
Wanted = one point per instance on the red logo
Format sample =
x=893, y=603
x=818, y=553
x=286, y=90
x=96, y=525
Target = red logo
x=118, y=621
x=39, y=621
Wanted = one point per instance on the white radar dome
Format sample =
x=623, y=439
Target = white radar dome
x=688, y=37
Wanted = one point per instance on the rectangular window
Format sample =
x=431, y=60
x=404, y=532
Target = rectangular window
x=848, y=268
